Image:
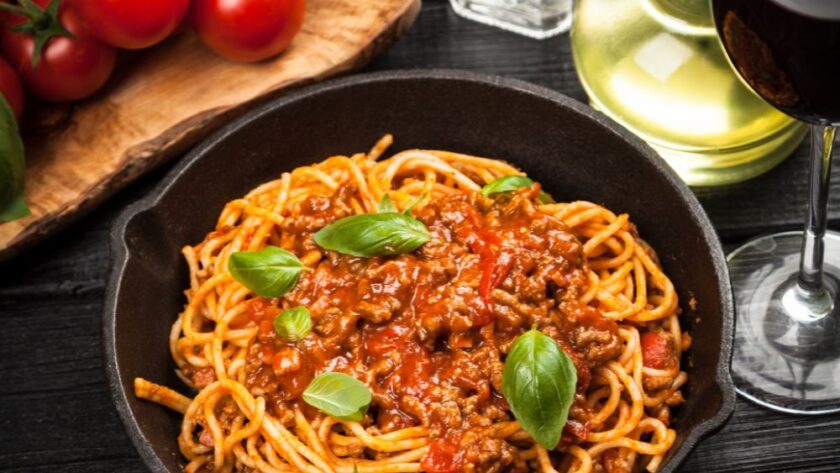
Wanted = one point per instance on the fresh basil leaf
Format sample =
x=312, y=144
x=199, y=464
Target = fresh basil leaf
x=12, y=166
x=538, y=382
x=15, y=209
x=511, y=183
x=411, y=206
x=386, y=205
x=506, y=184
x=293, y=324
x=339, y=395
x=368, y=235
x=269, y=272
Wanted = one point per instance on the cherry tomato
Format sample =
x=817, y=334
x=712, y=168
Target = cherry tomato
x=68, y=68
x=10, y=88
x=131, y=24
x=247, y=30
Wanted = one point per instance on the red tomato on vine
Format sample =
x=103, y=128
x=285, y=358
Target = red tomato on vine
x=247, y=30
x=10, y=88
x=131, y=24
x=57, y=58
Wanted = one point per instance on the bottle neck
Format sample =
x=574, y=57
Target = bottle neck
x=684, y=16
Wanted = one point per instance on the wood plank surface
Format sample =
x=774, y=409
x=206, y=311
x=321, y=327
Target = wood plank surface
x=55, y=411
x=165, y=99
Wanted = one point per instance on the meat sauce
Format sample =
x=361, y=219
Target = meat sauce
x=428, y=331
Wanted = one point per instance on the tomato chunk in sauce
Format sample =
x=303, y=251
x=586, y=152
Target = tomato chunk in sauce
x=442, y=457
x=656, y=350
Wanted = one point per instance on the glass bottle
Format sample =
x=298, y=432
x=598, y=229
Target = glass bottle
x=538, y=19
x=657, y=67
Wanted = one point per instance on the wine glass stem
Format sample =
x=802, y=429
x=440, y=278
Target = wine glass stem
x=811, y=264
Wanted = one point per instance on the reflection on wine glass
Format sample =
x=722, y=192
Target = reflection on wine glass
x=787, y=342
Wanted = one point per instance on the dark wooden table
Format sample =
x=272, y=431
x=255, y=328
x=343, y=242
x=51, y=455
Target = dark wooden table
x=56, y=413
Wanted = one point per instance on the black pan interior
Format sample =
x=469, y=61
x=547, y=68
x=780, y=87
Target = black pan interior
x=575, y=152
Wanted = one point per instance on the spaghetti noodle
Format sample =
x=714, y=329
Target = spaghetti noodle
x=426, y=331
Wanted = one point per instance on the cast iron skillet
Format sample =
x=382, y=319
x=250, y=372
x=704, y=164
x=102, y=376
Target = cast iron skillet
x=574, y=151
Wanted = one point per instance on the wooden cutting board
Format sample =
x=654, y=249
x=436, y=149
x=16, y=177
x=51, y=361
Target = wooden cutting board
x=165, y=99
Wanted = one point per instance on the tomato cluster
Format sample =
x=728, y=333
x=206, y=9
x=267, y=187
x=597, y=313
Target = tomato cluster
x=65, y=50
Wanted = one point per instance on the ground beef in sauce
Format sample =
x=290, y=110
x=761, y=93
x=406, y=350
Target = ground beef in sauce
x=428, y=331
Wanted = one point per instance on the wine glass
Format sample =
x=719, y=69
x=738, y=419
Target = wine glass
x=787, y=342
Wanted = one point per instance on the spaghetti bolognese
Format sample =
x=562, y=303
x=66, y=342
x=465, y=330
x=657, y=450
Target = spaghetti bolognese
x=386, y=316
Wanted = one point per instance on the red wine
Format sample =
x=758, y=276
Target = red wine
x=788, y=51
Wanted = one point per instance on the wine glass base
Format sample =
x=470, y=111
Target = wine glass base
x=787, y=352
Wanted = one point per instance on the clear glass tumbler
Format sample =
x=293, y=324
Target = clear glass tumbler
x=538, y=19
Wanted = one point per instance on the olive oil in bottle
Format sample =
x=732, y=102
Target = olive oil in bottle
x=657, y=67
